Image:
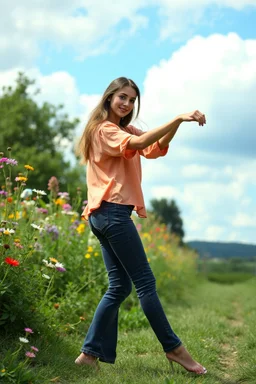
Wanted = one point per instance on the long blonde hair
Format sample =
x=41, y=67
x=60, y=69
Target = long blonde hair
x=100, y=113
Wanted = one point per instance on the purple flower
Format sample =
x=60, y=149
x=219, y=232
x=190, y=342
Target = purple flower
x=53, y=230
x=64, y=195
x=61, y=269
x=74, y=224
x=3, y=159
x=28, y=330
x=4, y=193
x=85, y=202
x=34, y=349
x=42, y=210
x=11, y=162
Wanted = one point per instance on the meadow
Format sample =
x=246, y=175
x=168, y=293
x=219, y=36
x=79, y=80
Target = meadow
x=52, y=278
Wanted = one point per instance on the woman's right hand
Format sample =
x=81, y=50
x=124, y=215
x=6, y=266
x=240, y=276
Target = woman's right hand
x=194, y=116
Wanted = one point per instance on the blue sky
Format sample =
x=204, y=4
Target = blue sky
x=135, y=55
x=183, y=56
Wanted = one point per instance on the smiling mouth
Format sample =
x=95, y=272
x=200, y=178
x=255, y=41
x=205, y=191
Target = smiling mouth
x=123, y=110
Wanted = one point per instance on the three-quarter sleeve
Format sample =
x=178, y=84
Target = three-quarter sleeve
x=153, y=151
x=113, y=141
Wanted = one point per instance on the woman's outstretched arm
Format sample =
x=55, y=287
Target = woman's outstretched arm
x=166, y=131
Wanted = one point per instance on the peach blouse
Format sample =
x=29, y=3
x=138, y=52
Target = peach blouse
x=113, y=171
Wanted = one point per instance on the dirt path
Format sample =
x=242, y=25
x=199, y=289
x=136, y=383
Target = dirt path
x=228, y=358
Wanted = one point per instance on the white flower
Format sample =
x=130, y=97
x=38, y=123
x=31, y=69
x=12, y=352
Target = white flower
x=59, y=265
x=23, y=340
x=47, y=264
x=8, y=231
x=39, y=192
x=37, y=227
x=26, y=193
x=46, y=276
x=28, y=203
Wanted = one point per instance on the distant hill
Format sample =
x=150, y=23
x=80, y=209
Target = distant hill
x=223, y=250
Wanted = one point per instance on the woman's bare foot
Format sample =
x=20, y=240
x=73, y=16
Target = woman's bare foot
x=85, y=359
x=181, y=356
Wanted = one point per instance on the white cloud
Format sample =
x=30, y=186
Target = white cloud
x=244, y=220
x=216, y=75
x=207, y=170
x=210, y=170
x=213, y=232
x=92, y=27
x=195, y=170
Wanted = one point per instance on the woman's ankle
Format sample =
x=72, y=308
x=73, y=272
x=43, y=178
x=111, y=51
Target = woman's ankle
x=89, y=357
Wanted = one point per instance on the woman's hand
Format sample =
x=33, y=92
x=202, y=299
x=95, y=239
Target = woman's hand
x=194, y=116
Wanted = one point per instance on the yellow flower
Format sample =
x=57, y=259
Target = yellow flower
x=11, y=216
x=149, y=259
x=8, y=231
x=53, y=260
x=29, y=167
x=87, y=256
x=90, y=248
x=60, y=202
x=21, y=178
x=146, y=236
x=81, y=228
x=3, y=371
x=16, y=240
x=96, y=254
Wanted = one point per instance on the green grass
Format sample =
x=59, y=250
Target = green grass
x=217, y=326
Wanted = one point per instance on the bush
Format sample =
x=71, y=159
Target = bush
x=51, y=272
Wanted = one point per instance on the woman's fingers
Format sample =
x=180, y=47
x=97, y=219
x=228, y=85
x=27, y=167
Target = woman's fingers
x=200, y=117
x=194, y=116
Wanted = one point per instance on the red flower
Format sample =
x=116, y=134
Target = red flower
x=12, y=262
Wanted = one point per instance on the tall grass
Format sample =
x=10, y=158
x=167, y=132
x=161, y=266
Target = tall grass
x=52, y=275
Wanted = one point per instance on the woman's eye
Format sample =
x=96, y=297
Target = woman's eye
x=122, y=97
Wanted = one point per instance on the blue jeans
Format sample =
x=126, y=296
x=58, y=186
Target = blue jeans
x=126, y=262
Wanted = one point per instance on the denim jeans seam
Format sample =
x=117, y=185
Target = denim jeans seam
x=176, y=346
x=163, y=318
x=166, y=324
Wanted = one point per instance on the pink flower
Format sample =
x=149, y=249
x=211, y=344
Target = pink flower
x=66, y=207
x=30, y=354
x=11, y=162
x=28, y=330
x=139, y=226
x=34, y=348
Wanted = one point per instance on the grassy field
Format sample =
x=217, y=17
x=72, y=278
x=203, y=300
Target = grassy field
x=217, y=325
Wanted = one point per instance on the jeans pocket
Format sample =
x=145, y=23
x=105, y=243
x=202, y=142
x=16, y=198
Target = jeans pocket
x=98, y=220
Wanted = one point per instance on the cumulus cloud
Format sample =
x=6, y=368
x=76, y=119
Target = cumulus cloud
x=210, y=170
x=216, y=75
x=93, y=27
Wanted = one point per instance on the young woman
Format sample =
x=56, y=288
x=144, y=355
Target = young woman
x=111, y=148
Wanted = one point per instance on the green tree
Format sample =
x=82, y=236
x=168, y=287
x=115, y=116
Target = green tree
x=35, y=134
x=169, y=214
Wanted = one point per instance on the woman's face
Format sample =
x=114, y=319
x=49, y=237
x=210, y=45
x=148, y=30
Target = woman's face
x=122, y=103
